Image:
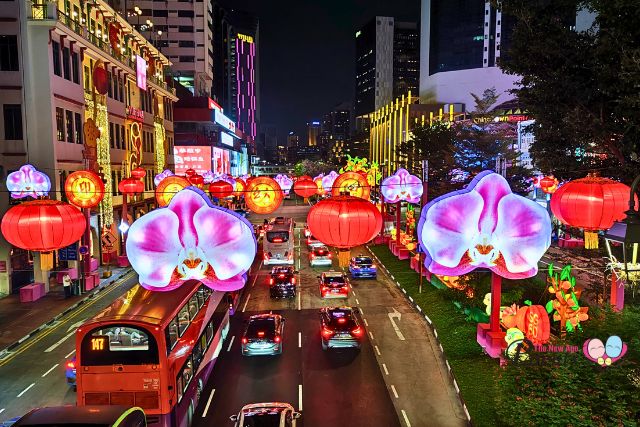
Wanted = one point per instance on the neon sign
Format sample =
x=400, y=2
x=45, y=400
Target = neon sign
x=245, y=38
x=141, y=72
x=224, y=121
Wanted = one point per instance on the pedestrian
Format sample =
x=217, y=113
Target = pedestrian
x=66, y=284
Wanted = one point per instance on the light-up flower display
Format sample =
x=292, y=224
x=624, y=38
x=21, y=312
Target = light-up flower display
x=402, y=186
x=28, y=182
x=484, y=226
x=191, y=239
x=328, y=180
x=318, y=181
x=162, y=175
x=209, y=177
x=284, y=182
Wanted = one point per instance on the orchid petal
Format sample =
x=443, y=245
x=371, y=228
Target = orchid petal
x=185, y=207
x=231, y=284
x=492, y=187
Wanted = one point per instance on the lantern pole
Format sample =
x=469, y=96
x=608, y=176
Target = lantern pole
x=496, y=290
x=124, y=219
x=398, y=219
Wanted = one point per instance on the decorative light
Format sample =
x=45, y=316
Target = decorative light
x=352, y=183
x=123, y=227
x=401, y=186
x=84, y=189
x=263, y=195
x=159, y=132
x=28, y=182
x=169, y=187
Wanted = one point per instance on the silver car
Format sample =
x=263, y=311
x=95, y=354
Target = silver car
x=263, y=335
x=271, y=414
x=319, y=255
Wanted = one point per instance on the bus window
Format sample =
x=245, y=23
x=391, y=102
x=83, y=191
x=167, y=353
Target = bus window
x=172, y=333
x=277, y=236
x=209, y=332
x=187, y=373
x=179, y=386
x=201, y=297
x=119, y=345
x=183, y=319
x=193, y=307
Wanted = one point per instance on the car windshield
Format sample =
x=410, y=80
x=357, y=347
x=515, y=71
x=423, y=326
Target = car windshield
x=277, y=236
x=334, y=280
x=261, y=328
x=363, y=261
x=261, y=418
x=321, y=251
x=341, y=319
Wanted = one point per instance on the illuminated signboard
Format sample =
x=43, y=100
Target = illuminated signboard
x=141, y=72
x=213, y=105
x=221, y=162
x=192, y=157
x=134, y=113
x=225, y=121
x=245, y=38
x=226, y=139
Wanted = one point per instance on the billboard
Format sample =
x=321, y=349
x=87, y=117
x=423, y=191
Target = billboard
x=224, y=121
x=141, y=72
x=226, y=139
x=221, y=163
x=192, y=157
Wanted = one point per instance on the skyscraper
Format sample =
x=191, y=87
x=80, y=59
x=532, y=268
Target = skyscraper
x=313, y=129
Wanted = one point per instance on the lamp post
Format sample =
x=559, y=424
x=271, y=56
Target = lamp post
x=623, y=242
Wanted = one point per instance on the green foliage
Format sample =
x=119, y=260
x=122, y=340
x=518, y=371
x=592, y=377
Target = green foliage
x=312, y=168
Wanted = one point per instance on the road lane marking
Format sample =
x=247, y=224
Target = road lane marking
x=357, y=302
x=370, y=334
x=246, y=302
x=393, y=389
x=396, y=314
x=300, y=397
x=49, y=371
x=386, y=371
x=231, y=343
x=26, y=389
x=206, y=408
x=361, y=310
x=365, y=322
x=299, y=297
x=57, y=344
x=377, y=350
x=406, y=420
x=299, y=339
x=70, y=353
x=353, y=292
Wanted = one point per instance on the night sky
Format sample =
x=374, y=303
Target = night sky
x=307, y=54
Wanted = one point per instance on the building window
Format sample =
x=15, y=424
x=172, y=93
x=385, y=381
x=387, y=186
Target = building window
x=109, y=85
x=123, y=141
x=162, y=13
x=12, y=121
x=79, y=136
x=66, y=63
x=185, y=14
x=185, y=28
x=9, y=53
x=186, y=43
x=75, y=67
x=55, y=49
x=186, y=59
x=69, y=116
x=111, y=136
x=60, y=124
x=87, y=79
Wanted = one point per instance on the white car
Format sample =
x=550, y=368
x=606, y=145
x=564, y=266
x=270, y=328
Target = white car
x=270, y=414
x=319, y=255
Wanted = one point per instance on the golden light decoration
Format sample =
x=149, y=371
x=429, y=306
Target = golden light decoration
x=263, y=195
x=352, y=183
x=159, y=142
x=84, y=189
x=169, y=187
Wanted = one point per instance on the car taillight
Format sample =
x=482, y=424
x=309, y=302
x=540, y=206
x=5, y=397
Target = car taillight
x=245, y=340
x=293, y=280
x=71, y=365
x=329, y=255
x=271, y=281
x=342, y=320
x=281, y=276
x=266, y=257
x=277, y=240
x=357, y=332
x=261, y=334
x=313, y=255
x=326, y=332
x=277, y=339
x=325, y=289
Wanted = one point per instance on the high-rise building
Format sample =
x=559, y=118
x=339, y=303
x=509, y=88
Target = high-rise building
x=268, y=142
x=313, y=132
x=182, y=31
x=387, y=58
x=293, y=140
x=461, y=44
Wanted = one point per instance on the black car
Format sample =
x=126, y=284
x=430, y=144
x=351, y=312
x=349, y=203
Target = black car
x=339, y=328
x=282, y=282
x=263, y=335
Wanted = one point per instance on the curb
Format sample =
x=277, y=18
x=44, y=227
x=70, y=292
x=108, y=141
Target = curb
x=435, y=333
x=58, y=316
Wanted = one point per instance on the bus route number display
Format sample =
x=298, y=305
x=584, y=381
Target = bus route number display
x=97, y=344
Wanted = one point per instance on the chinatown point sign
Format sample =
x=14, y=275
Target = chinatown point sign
x=510, y=118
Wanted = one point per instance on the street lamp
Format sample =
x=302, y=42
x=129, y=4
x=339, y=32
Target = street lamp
x=138, y=12
x=623, y=242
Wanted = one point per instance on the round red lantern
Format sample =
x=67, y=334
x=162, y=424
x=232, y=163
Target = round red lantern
x=549, y=184
x=196, y=180
x=239, y=187
x=220, y=189
x=352, y=183
x=536, y=324
x=131, y=186
x=168, y=187
x=263, y=195
x=138, y=173
x=100, y=79
x=344, y=222
x=305, y=188
x=592, y=203
x=189, y=172
x=303, y=177
x=43, y=225
x=84, y=189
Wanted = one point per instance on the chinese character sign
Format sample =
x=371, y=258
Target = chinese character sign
x=192, y=157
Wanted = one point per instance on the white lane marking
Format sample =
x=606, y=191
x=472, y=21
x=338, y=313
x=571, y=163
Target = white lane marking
x=393, y=389
x=377, y=350
x=26, y=389
x=299, y=339
x=299, y=297
x=396, y=314
x=76, y=325
x=365, y=322
x=70, y=353
x=57, y=344
x=357, y=302
x=406, y=420
x=300, y=397
x=246, y=302
x=386, y=371
x=428, y=320
x=370, y=334
x=49, y=371
x=353, y=292
x=206, y=408
x=231, y=343
x=361, y=310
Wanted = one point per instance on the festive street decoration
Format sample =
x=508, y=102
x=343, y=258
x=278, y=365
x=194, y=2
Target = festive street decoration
x=351, y=183
x=162, y=175
x=100, y=78
x=318, y=181
x=604, y=355
x=159, y=141
x=517, y=346
x=263, y=195
x=196, y=180
x=114, y=35
x=284, y=182
x=566, y=308
x=84, y=189
x=240, y=187
x=328, y=181
x=28, y=182
x=131, y=186
x=220, y=189
x=362, y=166
x=168, y=188
x=138, y=173
x=344, y=222
x=96, y=131
x=43, y=225
x=401, y=186
x=210, y=177
x=305, y=188
x=592, y=203
x=191, y=239
x=549, y=184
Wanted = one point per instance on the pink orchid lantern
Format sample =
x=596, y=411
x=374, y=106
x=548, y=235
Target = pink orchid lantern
x=484, y=226
x=328, y=180
x=162, y=175
x=191, y=239
x=28, y=182
x=285, y=183
x=401, y=186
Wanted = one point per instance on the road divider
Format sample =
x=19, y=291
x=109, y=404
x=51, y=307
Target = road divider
x=395, y=393
x=406, y=419
x=300, y=397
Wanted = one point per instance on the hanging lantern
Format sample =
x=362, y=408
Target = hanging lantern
x=169, y=187
x=549, y=184
x=318, y=181
x=114, y=35
x=344, y=222
x=84, y=189
x=43, y=225
x=303, y=177
x=100, y=79
x=131, y=186
x=189, y=172
x=239, y=187
x=351, y=183
x=305, y=188
x=263, y=195
x=592, y=203
x=220, y=189
x=138, y=173
x=196, y=180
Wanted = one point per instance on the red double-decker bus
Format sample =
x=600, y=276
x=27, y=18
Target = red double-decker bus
x=154, y=350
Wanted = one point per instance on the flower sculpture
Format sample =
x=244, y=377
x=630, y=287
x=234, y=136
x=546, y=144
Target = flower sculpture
x=328, y=180
x=484, y=226
x=285, y=183
x=28, y=182
x=162, y=175
x=566, y=307
x=209, y=177
x=191, y=239
x=402, y=186
x=318, y=181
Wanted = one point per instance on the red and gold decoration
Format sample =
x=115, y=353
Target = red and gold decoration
x=114, y=36
x=344, y=222
x=352, y=183
x=84, y=189
x=220, y=189
x=305, y=188
x=135, y=135
x=263, y=195
x=100, y=78
x=549, y=184
x=169, y=187
x=43, y=225
x=239, y=187
x=592, y=203
x=196, y=180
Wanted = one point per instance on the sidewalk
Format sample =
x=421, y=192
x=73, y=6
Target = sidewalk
x=19, y=320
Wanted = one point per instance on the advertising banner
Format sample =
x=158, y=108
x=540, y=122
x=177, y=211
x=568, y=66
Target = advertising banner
x=221, y=162
x=197, y=158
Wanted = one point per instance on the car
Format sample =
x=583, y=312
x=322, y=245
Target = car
x=340, y=328
x=334, y=284
x=271, y=414
x=70, y=372
x=362, y=266
x=263, y=335
x=319, y=255
x=307, y=232
x=282, y=282
x=313, y=242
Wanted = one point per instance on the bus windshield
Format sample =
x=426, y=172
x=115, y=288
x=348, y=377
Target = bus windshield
x=277, y=236
x=119, y=345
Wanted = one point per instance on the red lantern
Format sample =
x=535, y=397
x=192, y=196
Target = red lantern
x=352, y=183
x=84, y=189
x=305, y=188
x=344, y=222
x=168, y=187
x=138, y=173
x=220, y=189
x=536, y=324
x=196, y=180
x=303, y=177
x=131, y=186
x=592, y=203
x=114, y=35
x=263, y=195
x=43, y=225
x=189, y=172
x=100, y=79
x=549, y=184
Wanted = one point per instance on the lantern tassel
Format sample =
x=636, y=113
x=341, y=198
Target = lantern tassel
x=344, y=257
x=590, y=240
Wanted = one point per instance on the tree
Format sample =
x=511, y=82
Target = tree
x=312, y=168
x=581, y=86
